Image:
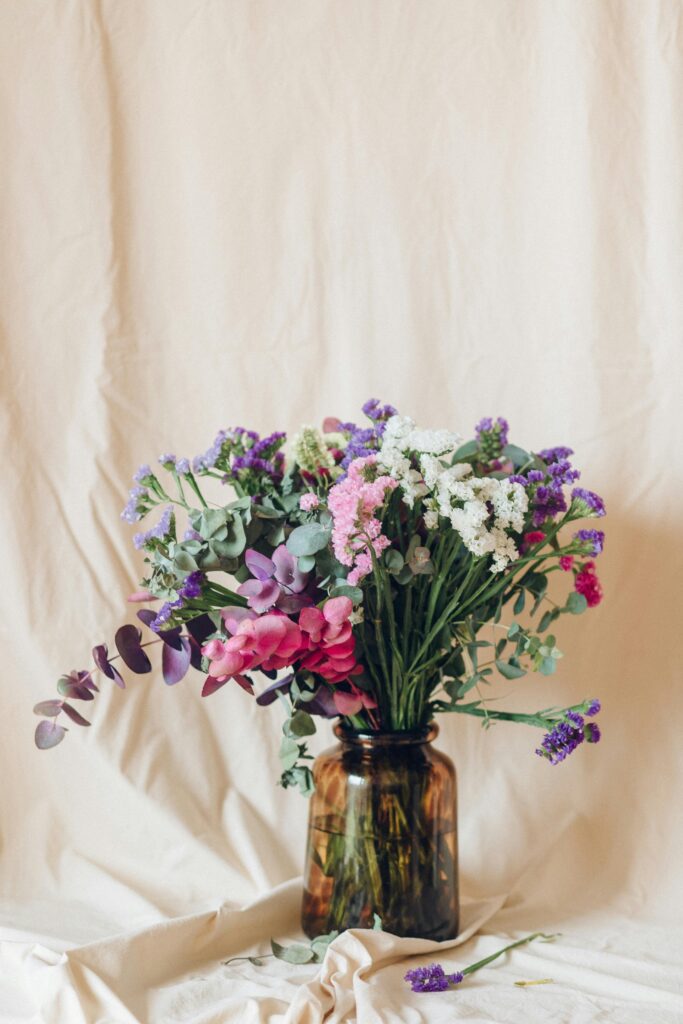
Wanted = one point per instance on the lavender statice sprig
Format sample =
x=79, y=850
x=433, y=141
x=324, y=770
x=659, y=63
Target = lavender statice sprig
x=434, y=978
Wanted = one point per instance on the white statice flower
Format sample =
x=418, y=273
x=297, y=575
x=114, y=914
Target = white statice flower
x=510, y=503
x=480, y=509
x=401, y=433
x=505, y=549
x=401, y=440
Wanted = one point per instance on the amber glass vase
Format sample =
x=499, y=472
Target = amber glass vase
x=382, y=837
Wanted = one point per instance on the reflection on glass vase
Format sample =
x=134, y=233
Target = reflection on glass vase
x=382, y=837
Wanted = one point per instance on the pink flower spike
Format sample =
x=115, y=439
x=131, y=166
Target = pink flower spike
x=566, y=563
x=140, y=596
x=331, y=425
x=337, y=610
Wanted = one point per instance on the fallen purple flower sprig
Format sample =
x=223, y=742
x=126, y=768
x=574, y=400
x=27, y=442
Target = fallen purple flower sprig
x=435, y=979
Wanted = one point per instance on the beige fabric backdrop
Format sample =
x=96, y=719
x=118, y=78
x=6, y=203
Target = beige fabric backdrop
x=227, y=212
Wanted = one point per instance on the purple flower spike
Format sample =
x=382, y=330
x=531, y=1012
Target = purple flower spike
x=596, y=539
x=593, y=707
x=588, y=502
x=432, y=979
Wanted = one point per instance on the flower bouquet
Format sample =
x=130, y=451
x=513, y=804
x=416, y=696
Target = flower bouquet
x=356, y=577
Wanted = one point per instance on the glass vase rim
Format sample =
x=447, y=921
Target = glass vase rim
x=384, y=738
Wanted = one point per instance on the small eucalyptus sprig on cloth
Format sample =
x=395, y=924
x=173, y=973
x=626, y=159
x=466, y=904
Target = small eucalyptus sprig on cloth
x=312, y=952
x=434, y=979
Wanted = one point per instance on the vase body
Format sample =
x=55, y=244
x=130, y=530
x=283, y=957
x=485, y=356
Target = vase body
x=382, y=837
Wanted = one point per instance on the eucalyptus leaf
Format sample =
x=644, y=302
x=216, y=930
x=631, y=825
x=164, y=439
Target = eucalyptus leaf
x=294, y=954
x=517, y=455
x=299, y=724
x=308, y=539
x=547, y=666
x=465, y=451
x=508, y=670
x=518, y=606
x=355, y=594
x=289, y=752
x=576, y=603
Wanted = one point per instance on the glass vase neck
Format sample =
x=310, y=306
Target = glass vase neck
x=374, y=740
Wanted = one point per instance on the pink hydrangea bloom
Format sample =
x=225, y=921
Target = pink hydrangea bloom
x=353, y=503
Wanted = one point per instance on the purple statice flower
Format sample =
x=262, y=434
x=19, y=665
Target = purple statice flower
x=379, y=414
x=555, y=454
x=432, y=978
x=168, y=460
x=562, y=739
x=592, y=732
x=134, y=510
x=588, y=502
x=158, y=531
x=268, y=445
x=142, y=473
x=252, y=462
x=191, y=534
x=189, y=589
x=182, y=467
x=547, y=502
x=593, y=707
x=192, y=587
x=517, y=478
x=240, y=433
x=492, y=433
x=163, y=615
x=563, y=472
x=211, y=456
x=362, y=442
x=535, y=476
x=596, y=538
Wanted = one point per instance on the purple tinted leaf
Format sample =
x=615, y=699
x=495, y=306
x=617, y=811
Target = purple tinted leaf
x=174, y=664
x=48, y=707
x=69, y=686
x=48, y=734
x=269, y=695
x=85, y=679
x=322, y=704
x=74, y=715
x=127, y=641
x=101, y=659
x=201, y=628
x=211, y=685
x=259, y=565
x=147, y=616
x=195, y=654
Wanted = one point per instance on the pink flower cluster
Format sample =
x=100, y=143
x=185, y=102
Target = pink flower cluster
x=353, y=503
x=588, y=584
x=321, y=641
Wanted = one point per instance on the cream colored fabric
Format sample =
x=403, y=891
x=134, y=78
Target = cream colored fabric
x=260, y=213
